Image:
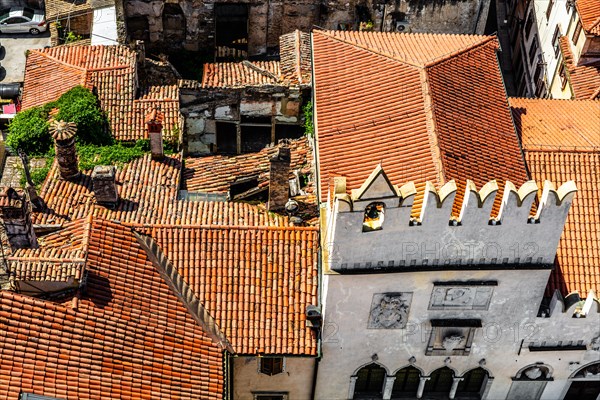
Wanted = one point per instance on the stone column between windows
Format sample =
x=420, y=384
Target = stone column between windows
x=422, y=382
x=352, y=384
x=387, y=388
x=455, y=382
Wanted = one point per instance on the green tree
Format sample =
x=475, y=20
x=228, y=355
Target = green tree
x=29, y=131
x=79, y=105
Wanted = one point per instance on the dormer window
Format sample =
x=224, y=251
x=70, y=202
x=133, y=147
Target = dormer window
x=374, y=215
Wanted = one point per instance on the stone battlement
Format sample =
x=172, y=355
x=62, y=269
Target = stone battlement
x=373, y=229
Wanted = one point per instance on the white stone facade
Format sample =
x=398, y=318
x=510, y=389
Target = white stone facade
x=431, y=310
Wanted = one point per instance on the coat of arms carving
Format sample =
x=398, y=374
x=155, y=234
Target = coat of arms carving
x=389, y=310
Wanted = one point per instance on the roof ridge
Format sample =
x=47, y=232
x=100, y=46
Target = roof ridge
x=371, y=50
x=550, y=148
x=549, y=99
x=56, y=259
x=483, y=40
x=474, y=46
x=56, y=60
x=222, y=226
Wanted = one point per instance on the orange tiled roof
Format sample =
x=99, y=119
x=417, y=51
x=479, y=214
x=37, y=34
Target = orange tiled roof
x=38, y=89
x=428, y=107
x=293, y=69
x=584, y=79
x=295, y=58
x=589, y=12
x=557, y=124
x=148, y=194
x=109, y=69
x=255, y=281
x=215, y=174
x=569, y=149
x=240, y=74
x=128, y=337
x=60, y=257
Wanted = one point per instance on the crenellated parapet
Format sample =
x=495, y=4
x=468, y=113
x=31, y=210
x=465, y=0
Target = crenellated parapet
x=373, y=229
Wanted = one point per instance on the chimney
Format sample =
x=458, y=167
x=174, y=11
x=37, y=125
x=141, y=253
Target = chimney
x=154, y=122
x=279, y=179
x=36, y=201
x=64, y=143
x=16, y=215
x=105, y=185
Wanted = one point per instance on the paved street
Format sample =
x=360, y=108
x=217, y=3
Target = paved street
x=12, y=53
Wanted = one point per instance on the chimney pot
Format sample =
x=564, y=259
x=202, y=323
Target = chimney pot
x=105, y=185
x=64, y=143
x=279, y=179
x=16, y=215
x=154, y=122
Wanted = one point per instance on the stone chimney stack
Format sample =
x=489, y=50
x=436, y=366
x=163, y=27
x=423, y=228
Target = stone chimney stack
x=154, y=121
x=16, y=215
x=105, y=185
x=64, y=143
x=279, y=179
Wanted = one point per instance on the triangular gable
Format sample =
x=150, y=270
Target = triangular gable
x=377, y=186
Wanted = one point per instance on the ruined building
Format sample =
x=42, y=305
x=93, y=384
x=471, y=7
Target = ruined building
x=240, y=107
x=252, y=28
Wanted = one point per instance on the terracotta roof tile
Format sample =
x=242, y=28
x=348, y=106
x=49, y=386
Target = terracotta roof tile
x=584, y=79
x=293, y=69
x=128, y=337
x=148, y=191
x=112, y=71
x=439, y=112
x=38, y=89
x=559, y=155
x=240, y=74
x=415, y=49
x=215, y=174
x=557, y=124
x=295, y=57
x=60, y=257
x=589, y=12
x=255, y=281
x=472, y=121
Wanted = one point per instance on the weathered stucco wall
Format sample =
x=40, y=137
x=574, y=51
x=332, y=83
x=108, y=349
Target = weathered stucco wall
x=296, y=378
x=508, y=326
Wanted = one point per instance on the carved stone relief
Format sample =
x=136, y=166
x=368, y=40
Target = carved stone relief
x=389, y=310
x=461, y=297
x=450, y=341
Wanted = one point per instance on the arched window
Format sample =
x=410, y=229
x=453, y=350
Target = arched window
x=472, y=385
x=369, y=382
x=530, y=382
x=406, y=383
x=373, y=220
x=585, y=384
x=440, y=381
